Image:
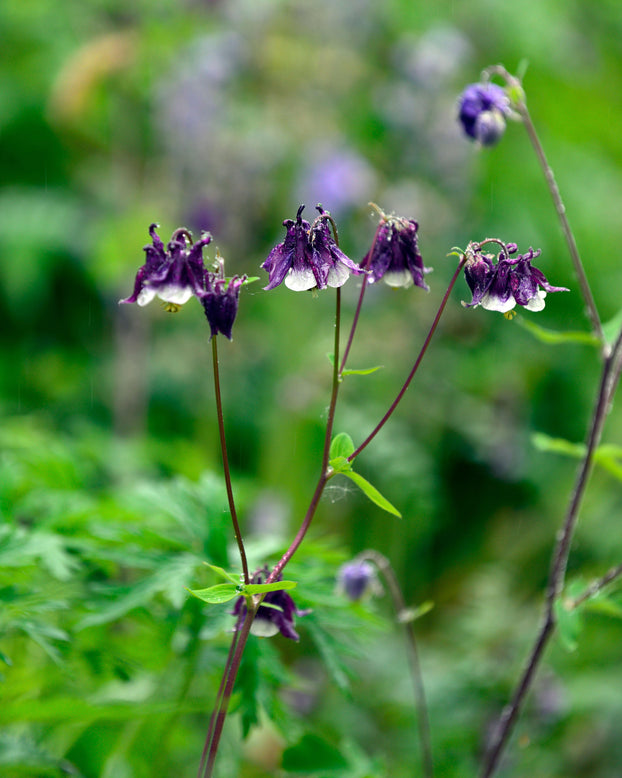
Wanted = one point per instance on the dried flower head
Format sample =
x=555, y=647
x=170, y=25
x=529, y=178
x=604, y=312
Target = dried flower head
x=394, y=256
x=220, y=300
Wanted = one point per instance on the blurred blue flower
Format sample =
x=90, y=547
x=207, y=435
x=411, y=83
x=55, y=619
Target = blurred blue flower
x=338, y=176
x=308, y=258
x=356, y=579
x=509, y=282
x=174, y=274
x=275, y=614
x=483, y=109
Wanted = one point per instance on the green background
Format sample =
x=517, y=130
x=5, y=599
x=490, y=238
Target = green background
x=225, y=116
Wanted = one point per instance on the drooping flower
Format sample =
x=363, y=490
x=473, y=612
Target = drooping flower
x=509, y=282
x=174, y=274
x=482, y=111
x=220, y=300
x=309, y=257
x=356, y=579
x=275, y=614
x=394, y=256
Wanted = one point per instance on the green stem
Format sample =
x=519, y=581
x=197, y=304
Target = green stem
x=225, y=461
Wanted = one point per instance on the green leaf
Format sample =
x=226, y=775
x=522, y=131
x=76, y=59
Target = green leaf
x=601, y=603
x=557, y=445
x=275, y=586
x=341, y=446
x=362, y=371
x=568, y=623
x=608, y=456
x=371, y=492
x=217, y=594
x=313, y=754
x=412, y=614
x=223, y=573
x=553, y=337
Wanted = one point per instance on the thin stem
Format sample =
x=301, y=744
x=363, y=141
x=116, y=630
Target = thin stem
x=609, y=379
x=597, y=586
x=324, y=475
x=218, y=703
x=230, y=674
x=560, y=209
x=225, y=461
x=415, y=367
x=355, y=321
x=421, y=706
x=357, y=312
x=592, y=311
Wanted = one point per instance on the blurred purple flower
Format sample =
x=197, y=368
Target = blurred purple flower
x=483, y=109
x=340, y=177
x=356, y=579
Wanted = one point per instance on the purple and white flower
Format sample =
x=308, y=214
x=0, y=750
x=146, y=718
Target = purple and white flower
x=309, y=257
x=394, y=256
x=509, y=282
x=173, y=273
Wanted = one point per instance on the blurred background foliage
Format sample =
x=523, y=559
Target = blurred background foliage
x=225, y=115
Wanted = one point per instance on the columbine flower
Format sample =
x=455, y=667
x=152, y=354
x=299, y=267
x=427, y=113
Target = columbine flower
x=357, y=579
x=220, y=300
x=308, y=258
x=509, y=282
x=394, y=255
x=174, y=274
x=277, y=617
x=483, y=109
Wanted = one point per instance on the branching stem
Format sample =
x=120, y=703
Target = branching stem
x=415, y=367
x=610, y=376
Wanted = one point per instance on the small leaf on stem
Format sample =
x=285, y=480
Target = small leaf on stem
x=341, y=446
x=217, y=594
x=372, y=493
